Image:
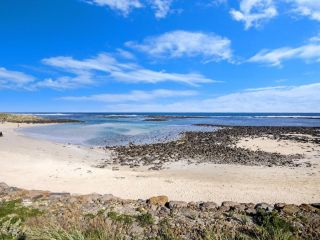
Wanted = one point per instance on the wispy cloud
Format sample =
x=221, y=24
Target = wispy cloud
x=177, y=44
x=71, y=73
x=123, y=6
x=254, y=12
x=308, y=8
x=105, y=66
x=133, y=96
x=308, y=52
x=162, y=7
x=13, y=79
x=303, y=98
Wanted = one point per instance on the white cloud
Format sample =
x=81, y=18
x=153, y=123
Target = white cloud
x=309, y=52
x=13, y=79
x=254, y=12
x=308, y=8
x=183, y=43
x=104, y=67
x=162, y=7
x=123, y=6
x=304, y=98
x=133, y=96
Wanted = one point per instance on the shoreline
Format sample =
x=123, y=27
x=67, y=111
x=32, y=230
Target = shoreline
x=38, y=164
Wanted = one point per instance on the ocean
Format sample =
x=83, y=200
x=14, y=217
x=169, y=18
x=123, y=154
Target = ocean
x=110, y=129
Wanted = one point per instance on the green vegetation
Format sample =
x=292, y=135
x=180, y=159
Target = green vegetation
x=123, y=218
x=145, y=219
x=12, y=217
x=273, y=226
x=18, y=222
x=16, y=211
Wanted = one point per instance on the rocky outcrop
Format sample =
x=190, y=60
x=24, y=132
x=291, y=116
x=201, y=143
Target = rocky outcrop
x=216, y=147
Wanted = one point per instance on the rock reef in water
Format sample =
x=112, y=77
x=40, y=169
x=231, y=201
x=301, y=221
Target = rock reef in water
x=215, y=147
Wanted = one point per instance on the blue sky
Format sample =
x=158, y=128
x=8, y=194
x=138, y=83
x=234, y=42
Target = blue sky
x=160, y=55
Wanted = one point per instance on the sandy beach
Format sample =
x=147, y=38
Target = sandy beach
x=38, y=164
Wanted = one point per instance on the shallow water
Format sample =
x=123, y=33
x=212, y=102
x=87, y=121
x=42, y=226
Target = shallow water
x=120, y=129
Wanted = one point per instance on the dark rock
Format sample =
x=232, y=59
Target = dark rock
x=176, y=204
x=279, y=206
x=316, y=205
x=264, y=206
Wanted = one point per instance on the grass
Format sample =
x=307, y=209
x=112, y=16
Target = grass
x=16, y=211
x=122, y=218
x=145, y=219
x=18, y=222
x=12, y=216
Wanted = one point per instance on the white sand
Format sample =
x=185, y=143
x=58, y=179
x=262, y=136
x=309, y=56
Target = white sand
x=38, y=164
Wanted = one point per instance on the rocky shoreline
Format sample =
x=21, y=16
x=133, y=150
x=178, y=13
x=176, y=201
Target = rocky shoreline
x=30, y=119
x=36, y=213
x=217, y=147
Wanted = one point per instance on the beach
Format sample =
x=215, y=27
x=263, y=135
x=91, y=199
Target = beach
x=44, y=165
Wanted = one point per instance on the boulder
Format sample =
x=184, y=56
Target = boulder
x=290, y=209
x=176, y=204
x=3, y=187
x=316, y=205
x=279, y=206
x=158, y=200
x=264, y=206
x=229, y=204
x=209, y=206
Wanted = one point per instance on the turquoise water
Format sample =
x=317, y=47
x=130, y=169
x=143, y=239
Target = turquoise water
x=120, y=129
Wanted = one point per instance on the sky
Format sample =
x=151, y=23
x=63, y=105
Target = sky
x=160, y=55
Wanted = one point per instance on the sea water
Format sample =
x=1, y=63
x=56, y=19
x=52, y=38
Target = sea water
x=111, y=129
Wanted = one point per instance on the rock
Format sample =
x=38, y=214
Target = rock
x=250, y=211
x=3, y=187
x=239, y=207
x=208, y=206
x=158, y=200
x=107, y=197
x=316, y=205
x=279, y=206
x=264, y=206
x=53, y=196
x=290, y=209
x=34, y=194
x=176, y=204
x=229, y=204
x=307, y=208
x=224, y=208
